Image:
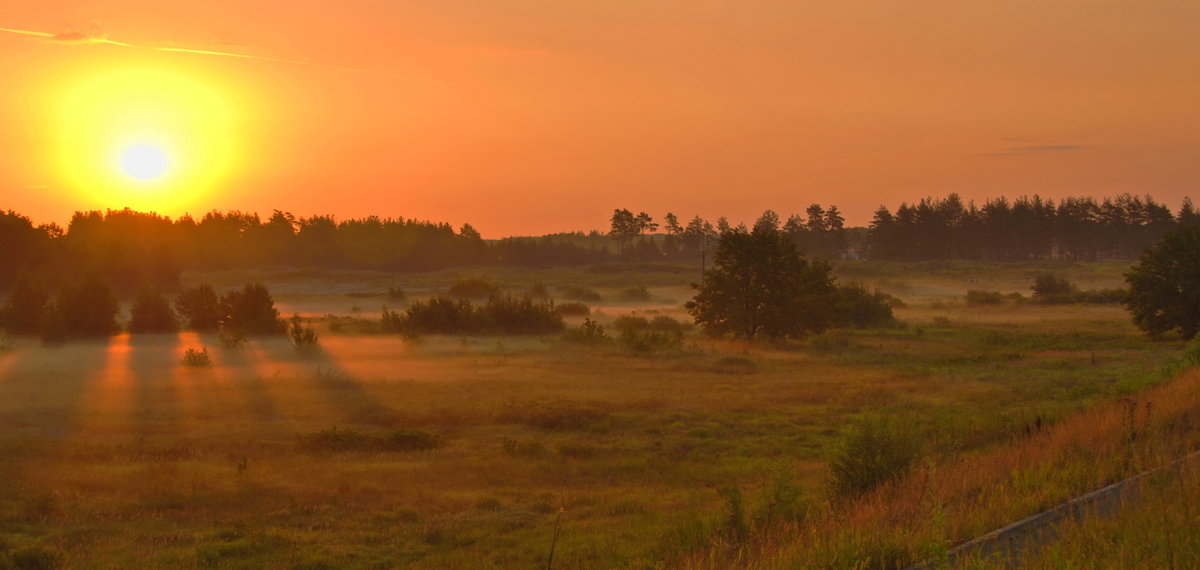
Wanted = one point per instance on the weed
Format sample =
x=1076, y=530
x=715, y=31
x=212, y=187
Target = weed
x=196, y=358
x=878, y=449
x=735, y=365
x=555, y=415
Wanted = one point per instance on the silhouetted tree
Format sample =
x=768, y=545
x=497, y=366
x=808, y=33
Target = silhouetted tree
x=251, y=311
x=199, y=307
x=151, y=313
x=26, y=306
x=760, y=287
x=1164, y=286
x=88, y=307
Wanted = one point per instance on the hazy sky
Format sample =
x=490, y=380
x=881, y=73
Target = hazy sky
x=528, y=116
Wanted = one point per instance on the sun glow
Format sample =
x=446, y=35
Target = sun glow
x=145, y=137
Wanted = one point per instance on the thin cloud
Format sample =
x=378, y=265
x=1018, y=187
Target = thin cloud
x=76, y=37
x=1033, y=149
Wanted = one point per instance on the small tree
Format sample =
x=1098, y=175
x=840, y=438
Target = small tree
x=1164, y=287
x=251, y=311
x=760, y=286
x=302, y=337
x=200, y=307
x=151, y=313
x=26, y=306
x=88, y=307
x=1051, y=289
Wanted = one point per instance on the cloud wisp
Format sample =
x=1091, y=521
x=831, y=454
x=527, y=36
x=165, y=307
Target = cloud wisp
x=76, y=37
x=1036, y=149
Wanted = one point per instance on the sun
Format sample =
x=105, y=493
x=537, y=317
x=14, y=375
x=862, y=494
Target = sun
x=148, y=137
x=146, y=162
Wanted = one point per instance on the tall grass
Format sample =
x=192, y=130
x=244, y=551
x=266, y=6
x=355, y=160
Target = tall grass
x=965, y=495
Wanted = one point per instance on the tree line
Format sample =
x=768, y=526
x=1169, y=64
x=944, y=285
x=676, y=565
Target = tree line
x=1075, y=229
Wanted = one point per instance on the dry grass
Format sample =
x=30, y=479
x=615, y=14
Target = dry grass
x=118, y=456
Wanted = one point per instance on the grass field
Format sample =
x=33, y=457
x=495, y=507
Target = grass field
x=116, y=455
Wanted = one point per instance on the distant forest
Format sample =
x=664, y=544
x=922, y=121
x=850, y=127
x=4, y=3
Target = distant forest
x=132, y=248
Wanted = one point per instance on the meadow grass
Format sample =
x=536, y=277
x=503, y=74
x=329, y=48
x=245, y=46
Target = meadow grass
x=117, y=455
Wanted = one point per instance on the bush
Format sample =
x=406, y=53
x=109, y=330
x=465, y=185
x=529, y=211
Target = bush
x=151, y=313
x=650, y=341
x=635, y=294
x=875, y=451
x=396, y=293
x=578, y=293
x=854, y=306
x=1052, y=290
x=538, y=291
x=630, y=323
x=975, y=297
x=473, y=288
x=500, y=315
x=196, y=358
x=302, y=337
x=512, y=315
x=350, y=441
x=664, y=323
x=573, y=309
x=590, y=333
x=231, y=338
x=199, y=307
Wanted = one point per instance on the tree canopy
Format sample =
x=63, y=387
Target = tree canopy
x=1164, y=286
x=760, y=287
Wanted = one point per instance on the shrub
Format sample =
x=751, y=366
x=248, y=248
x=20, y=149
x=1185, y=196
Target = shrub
x=877, y=450
x=573, y=309
x=151, y=313
x=590, y=333
x=635, y=294
x=650, y=341
x=199, y=307
x=1050, y=289
x=975, y=297
x=473, y=288
x=578, y=293
x=630, y=323
x=512, y=315
x=196, y=358
x=396, y=293
x=391, y=321
x=500, y=315
x=302, y=337
x=231, y=337
x=336, y=440
x=854, y=306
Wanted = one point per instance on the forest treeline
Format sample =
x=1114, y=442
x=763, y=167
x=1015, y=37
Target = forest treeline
x=131, y=249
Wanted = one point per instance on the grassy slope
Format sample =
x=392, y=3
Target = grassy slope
x=117, y=456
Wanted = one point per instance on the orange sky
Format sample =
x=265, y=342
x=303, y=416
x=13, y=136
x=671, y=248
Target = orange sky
x=526, y=117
